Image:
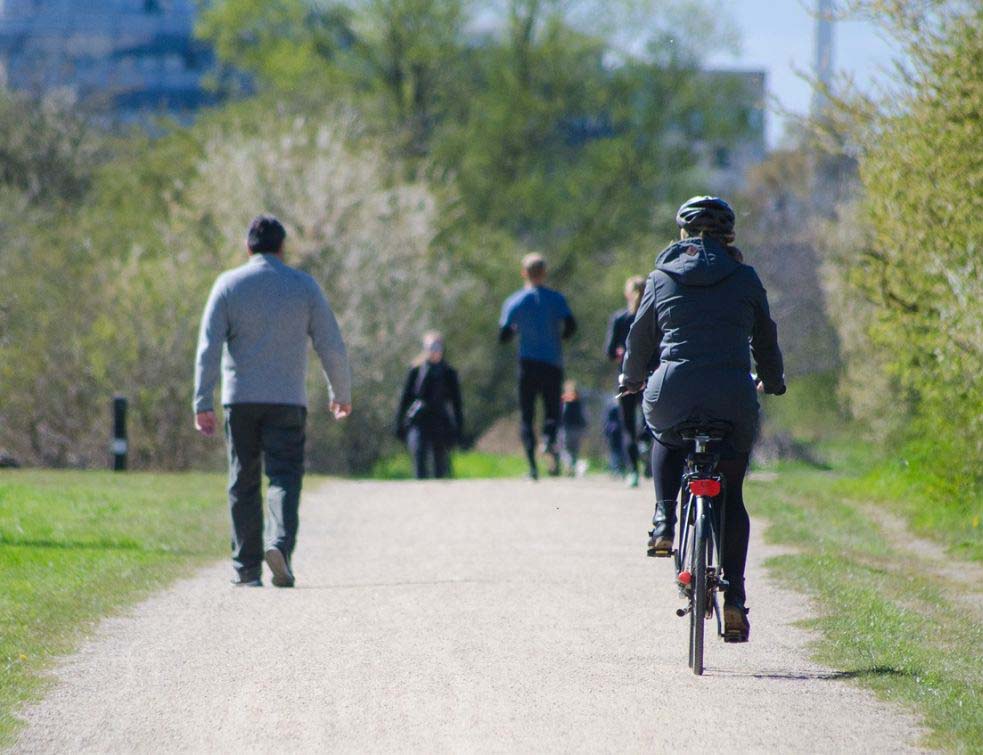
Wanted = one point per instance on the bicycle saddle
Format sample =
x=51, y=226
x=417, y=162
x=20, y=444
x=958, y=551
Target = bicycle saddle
x=715, y=429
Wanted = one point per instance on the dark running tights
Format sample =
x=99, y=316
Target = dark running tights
x=628, y=409
x=667, y=470
x=538, y=379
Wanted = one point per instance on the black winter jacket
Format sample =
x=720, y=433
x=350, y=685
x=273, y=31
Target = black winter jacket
x=702, y=318
x=618, y=327
x=439, y=393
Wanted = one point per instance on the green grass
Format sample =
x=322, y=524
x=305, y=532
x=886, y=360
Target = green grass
x=808, y=410
x=946, y=508
x=885, y=619
x=931, y=479
x=467, y=465
x=75, y=546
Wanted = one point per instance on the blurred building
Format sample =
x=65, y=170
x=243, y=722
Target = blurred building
x=125, y=59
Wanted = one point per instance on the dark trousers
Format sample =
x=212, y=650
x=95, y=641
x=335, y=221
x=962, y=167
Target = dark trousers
x=271, y=435
x=667, y=472
x=628, y=410
x=539, y=379
x=423, y=444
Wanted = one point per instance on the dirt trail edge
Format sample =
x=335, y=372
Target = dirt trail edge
x=462, y=616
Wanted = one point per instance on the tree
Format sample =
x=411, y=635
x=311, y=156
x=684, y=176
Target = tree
x=48, y=161
x=551, y=123
x=919, y=269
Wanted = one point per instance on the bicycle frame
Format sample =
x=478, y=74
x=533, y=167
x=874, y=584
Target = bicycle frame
x=701, y=464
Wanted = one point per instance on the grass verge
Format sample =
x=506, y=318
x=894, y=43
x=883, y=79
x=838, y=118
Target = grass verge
x=75, y=546
x=929, y=479
x=894, y=625
x=466, y=465
x=946, y=508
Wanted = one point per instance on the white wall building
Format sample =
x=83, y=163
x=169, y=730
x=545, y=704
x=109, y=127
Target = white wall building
x=125, y=58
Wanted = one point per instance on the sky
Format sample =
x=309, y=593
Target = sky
x=777, y=36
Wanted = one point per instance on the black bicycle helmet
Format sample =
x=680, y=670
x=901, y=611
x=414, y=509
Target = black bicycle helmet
x=710, y=214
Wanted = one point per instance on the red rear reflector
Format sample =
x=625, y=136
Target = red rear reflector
x=684, y=578
x=709, y=488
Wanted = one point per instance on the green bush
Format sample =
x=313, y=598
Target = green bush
x=412, y=163
x=915, y=284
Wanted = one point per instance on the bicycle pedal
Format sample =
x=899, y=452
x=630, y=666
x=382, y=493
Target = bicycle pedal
x=660, y=553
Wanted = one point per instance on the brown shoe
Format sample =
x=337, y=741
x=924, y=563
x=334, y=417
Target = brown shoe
x=660, y=547
x=282, y=576
x=736, y=626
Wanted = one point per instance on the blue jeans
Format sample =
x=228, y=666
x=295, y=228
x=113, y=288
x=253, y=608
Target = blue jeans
x=423, y=444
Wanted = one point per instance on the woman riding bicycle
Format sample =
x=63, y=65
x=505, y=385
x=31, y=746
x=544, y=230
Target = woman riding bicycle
x=688, y=350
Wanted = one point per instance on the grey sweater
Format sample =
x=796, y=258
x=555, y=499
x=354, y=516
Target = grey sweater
x=257, y=323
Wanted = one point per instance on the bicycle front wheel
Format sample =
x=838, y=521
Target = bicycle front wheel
x=698, y=568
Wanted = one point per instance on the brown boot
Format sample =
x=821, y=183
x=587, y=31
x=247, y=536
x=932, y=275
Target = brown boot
x=736, y=626
x=663, y=527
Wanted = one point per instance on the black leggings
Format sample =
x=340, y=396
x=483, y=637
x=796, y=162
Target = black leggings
x=667, y=471
x=628, y=409
x=539, y=379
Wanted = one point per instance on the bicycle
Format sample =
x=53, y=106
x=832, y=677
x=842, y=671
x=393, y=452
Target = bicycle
x=697, y=559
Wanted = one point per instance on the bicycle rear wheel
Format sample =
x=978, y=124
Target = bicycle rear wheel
x=698, y=569
x=684, y=559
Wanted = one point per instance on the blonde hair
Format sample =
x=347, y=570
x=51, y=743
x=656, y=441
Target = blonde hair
x=534, y=265
x=428, y=338
x=636, y=287
x=726, y=239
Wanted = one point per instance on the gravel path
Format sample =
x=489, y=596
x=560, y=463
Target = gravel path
x=484, y=616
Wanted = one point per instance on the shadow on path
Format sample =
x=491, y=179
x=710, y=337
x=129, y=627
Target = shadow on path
x=809, y=675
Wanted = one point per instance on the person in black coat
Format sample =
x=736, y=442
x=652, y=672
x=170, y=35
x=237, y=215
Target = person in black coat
x=618, y=327
x=702, y=318
x=430, y=415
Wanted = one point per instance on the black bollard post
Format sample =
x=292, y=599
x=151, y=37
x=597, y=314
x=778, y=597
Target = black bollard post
x=119, y=433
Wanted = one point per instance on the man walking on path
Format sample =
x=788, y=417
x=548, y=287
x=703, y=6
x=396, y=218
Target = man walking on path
x=257, y=323
x=542, y=318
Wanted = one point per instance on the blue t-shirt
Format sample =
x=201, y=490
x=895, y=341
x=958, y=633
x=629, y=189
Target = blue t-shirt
x=537, y=313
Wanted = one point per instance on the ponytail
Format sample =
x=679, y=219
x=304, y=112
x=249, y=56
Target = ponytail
x=634, y=287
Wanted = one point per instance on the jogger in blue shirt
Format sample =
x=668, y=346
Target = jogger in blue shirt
x=542, y=319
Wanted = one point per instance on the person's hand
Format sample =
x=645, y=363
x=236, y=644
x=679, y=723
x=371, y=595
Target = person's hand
x=626, y=387
x=619, y=353
x=339, y=410
x=779, y=391
x=205, y=423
